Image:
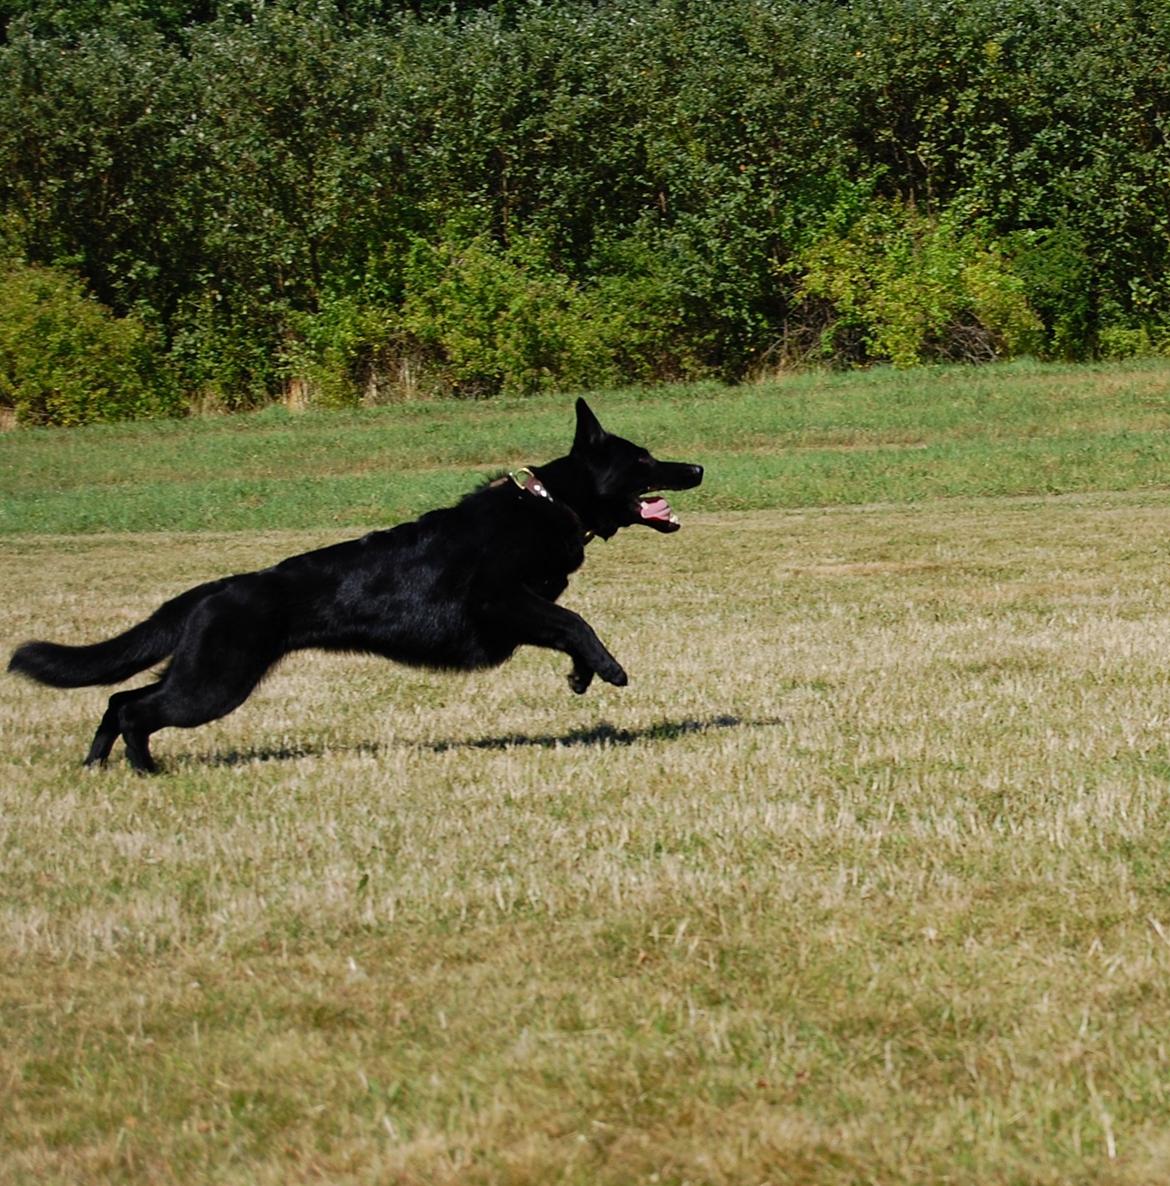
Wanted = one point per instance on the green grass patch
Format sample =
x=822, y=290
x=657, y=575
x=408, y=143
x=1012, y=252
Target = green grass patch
x=809, y=440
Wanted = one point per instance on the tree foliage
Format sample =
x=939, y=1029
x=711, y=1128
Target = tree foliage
x=524, y=195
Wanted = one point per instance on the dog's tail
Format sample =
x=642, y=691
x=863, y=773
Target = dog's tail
x=115, y=659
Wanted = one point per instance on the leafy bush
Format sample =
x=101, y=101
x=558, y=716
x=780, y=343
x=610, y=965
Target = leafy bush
x=65, y=359
x=1055, y=267
x=654, y=324
x=909, y=287
x=503, y=320
x=226, y=350
x=339, y=352
x=639, y=186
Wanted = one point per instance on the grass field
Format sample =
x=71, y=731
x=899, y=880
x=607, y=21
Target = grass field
x=865, y=878
x=804, y=441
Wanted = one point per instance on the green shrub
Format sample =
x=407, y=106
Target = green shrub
x=999, y=302
x=650, y=327
x=478, y=319
x=637, y=181
x=65, y=359
x=227, y=352
x=1055, y=267
x=503, y=320
x=1117, y=341
x=907, y=287
x=336, y=353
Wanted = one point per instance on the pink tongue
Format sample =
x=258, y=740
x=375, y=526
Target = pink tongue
x=655, y=508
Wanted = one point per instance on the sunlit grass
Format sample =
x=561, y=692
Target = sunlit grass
x=801, y=440
x=862, y=879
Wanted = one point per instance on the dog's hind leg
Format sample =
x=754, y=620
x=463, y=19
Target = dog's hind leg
x=224, y=653
x=184, y=703
x=110, y=727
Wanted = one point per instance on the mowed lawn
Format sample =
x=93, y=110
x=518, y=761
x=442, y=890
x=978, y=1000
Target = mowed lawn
x=865, y=878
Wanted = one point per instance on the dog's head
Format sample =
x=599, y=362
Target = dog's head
x=620, y=483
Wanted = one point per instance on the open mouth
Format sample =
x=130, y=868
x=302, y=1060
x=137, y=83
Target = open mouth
x=656, y=511
x=651, y=507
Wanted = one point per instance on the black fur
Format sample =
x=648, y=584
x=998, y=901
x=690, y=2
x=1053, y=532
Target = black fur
x=459, y=588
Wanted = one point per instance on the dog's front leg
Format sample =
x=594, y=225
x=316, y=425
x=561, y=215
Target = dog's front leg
x=530, y=620
x=580, y=678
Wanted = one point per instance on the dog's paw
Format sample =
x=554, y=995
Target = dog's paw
x=615, y=674
x=579, y=680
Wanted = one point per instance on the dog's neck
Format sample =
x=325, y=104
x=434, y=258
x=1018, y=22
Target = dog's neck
x=527, y=481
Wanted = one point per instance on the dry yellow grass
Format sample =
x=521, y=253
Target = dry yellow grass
x=862, y=880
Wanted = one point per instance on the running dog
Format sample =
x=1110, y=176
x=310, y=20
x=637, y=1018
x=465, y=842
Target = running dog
x=457, y=589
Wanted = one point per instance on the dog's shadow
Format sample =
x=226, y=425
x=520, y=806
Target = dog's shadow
x=600, y=736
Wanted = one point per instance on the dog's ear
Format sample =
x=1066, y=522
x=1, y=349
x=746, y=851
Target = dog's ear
x=589, y=430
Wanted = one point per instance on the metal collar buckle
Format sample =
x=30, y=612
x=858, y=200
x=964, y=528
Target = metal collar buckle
x=529, y=482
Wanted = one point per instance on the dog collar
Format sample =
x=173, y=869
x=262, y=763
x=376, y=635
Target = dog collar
x=527, y=481
x=530, y=483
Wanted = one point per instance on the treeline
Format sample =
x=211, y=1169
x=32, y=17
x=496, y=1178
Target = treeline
x=215, y=204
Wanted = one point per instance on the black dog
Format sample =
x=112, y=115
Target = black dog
x=458, y=589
